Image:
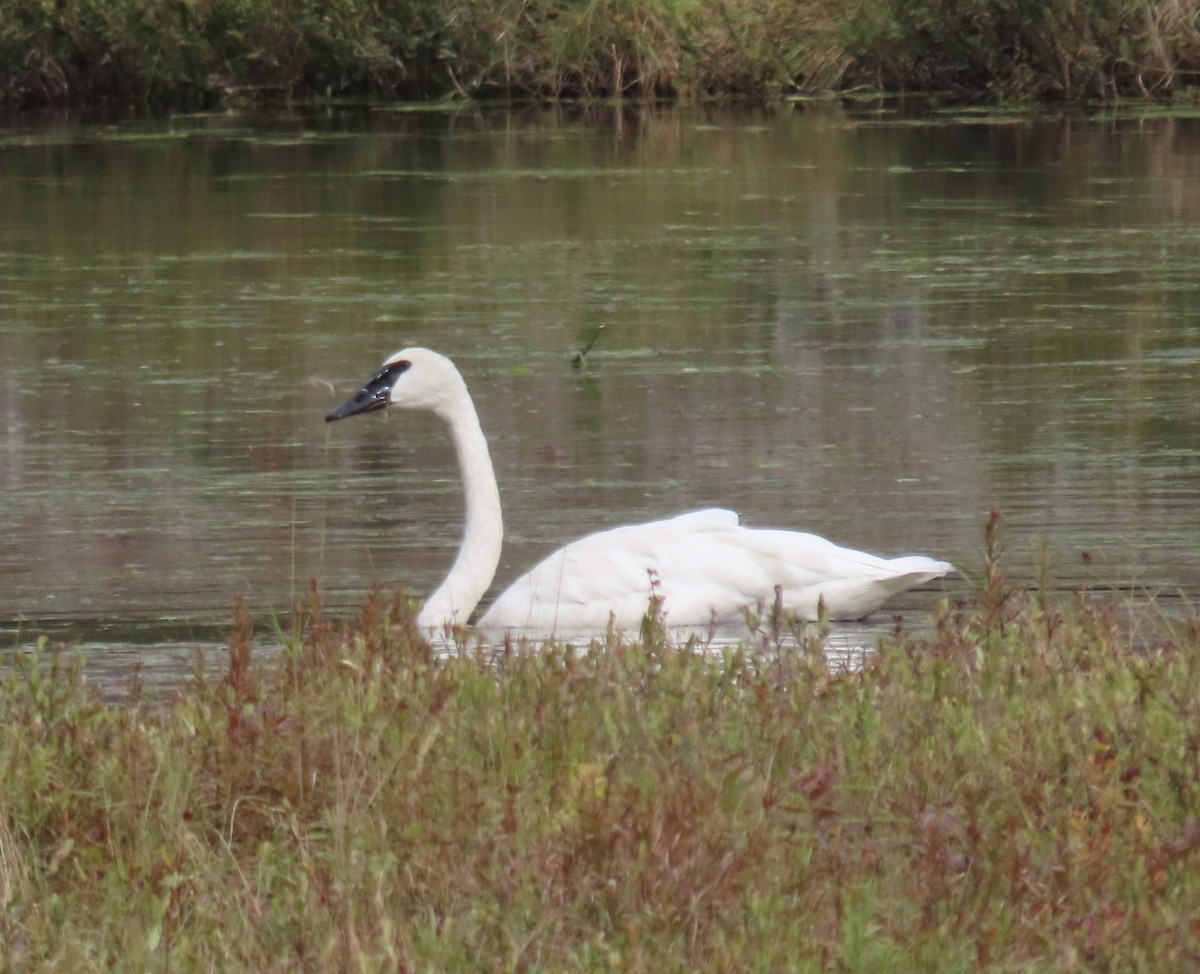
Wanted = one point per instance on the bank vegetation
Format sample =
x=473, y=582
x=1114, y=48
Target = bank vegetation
x=1018, y=789
x=178, y=54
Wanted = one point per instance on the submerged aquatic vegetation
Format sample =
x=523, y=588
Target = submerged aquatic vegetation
x=1015, y=789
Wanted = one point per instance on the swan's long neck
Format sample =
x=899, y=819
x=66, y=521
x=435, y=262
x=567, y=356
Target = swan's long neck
x=483, y=531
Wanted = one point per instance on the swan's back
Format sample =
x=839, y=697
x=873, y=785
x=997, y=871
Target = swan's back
x=706, y=567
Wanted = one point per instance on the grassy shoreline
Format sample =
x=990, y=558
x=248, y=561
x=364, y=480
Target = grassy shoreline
x=186, y=54
x=1018, y=790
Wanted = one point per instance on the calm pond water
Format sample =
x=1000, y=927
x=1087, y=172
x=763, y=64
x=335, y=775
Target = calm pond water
x=869, y=324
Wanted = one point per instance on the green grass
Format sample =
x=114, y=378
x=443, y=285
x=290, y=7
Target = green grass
x=171, y=54
x=1016, y=790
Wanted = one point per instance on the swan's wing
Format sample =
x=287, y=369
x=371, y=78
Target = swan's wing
x=606, y=576
x=852, y=583
x=722, y=570
x=705, y=567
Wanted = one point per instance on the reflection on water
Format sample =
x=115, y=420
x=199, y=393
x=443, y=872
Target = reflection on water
x=871, y=326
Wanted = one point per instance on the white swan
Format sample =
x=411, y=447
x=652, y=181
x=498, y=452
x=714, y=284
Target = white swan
x=704, y=565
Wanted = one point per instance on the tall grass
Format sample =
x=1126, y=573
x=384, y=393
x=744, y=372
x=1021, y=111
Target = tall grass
x=184, y=53
x=1028, y=48
x=1017, y=790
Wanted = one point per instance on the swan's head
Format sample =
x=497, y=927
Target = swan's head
x=414, y=378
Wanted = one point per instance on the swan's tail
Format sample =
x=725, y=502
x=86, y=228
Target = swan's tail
x=855, y=598
x=919, y=568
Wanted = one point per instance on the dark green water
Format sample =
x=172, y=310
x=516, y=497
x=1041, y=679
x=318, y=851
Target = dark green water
x=869, y=325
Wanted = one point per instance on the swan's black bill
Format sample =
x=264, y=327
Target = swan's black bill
x=374, y=395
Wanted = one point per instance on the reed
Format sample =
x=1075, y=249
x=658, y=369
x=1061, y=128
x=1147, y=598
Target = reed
x=1063, y=49
x=160, y=54
x=1015, y=789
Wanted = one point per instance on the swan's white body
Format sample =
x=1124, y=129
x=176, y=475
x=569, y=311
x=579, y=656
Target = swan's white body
x=708, y=568
x=704, y=566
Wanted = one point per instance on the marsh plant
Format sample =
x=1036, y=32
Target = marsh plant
x=172, y=54
x=1016, y=789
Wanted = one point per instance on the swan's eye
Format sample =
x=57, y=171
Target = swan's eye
x=394, y=370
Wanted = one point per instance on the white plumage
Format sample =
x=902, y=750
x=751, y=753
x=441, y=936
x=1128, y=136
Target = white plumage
x=703, y=565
